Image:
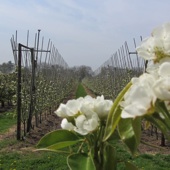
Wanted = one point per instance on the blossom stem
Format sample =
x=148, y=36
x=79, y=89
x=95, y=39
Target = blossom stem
x=80, y=148
x=98, y=148
x=110, y=124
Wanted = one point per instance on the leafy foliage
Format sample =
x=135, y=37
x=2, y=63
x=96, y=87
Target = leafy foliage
x=8, y=88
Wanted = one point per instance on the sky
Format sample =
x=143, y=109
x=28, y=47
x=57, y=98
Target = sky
x=85, y=32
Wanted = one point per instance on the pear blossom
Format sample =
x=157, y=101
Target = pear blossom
x=67, y=125
x=88, y=102
x=164, y=69
x=71, y=108
x=146, y=49
x=162, y=35
x=88, y=98
x=157, y=46
x=161, y=69
x=85, y=113
x=153, y=70
x=86, y=123
x=161, y=88
x=140, y=98
x=102, y=107
x=144, y=79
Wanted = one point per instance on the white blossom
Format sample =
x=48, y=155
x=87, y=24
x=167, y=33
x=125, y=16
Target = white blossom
x=160, y=69
x=88, y=121
x=161, y=88
x=140, y=98
x=146, y=49
x=102, y=107
x=162, y=38
x=71, y=108
x=157, y=46
x=86, y=124
x=155, y=84
x=164, y=69
x=85, y=113
x=67, y=125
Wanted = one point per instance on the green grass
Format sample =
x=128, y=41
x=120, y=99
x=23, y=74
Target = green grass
x=32, y=160
x=6, y=121
x=156, y=162
x=142, y=161
x=6, y=143
x=80, y=91
x=29, y=160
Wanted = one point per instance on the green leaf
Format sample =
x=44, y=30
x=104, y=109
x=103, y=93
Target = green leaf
x=136, y=123
x=114, y=136
x=110, y=159
x=64, y=144
x=130, y=132
x=162, y=123
x=58, y=139
x=161, y=108
x=130, y=166
x=112, y=122
x=80, y=161
x=115, y=114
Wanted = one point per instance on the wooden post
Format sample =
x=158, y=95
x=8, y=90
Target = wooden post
x=32, y=92
x=19, y=94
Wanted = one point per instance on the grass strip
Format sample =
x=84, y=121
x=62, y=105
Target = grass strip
x=33, y=160
x=29, y=160
x=80, y=91
x=6, y=121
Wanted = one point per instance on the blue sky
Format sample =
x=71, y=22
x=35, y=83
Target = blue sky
x=85, y=32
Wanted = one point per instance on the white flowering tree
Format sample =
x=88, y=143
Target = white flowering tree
x=95, y=121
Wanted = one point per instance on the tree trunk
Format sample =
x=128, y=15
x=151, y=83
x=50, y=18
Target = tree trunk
x=162, y=139
x=2, y=104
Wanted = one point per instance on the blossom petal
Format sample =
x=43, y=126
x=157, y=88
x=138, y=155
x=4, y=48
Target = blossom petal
x=162, y=88
x=164, y=69
x=102, y=108
x=63, y=111
x=67, y=125
x=133, y=110
x=146, y=49
x=140, y=98
x=73, y=105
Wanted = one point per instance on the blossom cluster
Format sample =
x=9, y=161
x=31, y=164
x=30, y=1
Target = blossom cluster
x=84, y=115
x=155, y=83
